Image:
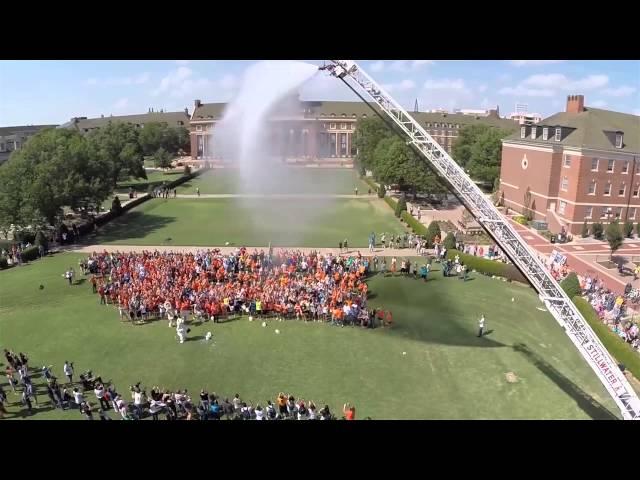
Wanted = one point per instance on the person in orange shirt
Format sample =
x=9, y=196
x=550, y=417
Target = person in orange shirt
x=349, y=411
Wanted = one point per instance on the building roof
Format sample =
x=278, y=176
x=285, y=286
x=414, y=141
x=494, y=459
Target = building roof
x=170, y=118
x=355, y=110
x=591, y=128
x=23, y=130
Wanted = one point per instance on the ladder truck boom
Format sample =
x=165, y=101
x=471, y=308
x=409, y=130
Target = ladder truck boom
x=550, y=292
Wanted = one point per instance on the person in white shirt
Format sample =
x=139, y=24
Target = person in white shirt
x=181, y=330
x=68, y=371
x=77, y=397
x=99, y=391
x=259, y=413
x=481, y=326
x=138, y=401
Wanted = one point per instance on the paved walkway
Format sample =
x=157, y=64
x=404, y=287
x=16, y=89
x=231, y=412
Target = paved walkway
x=272, y=195
x=582, y=258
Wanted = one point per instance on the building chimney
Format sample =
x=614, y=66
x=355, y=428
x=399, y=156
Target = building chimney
x=575, y=104
x=197, y=103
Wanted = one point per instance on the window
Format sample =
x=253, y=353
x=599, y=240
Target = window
x=562, y=207
x=618, y=140
x=332, y=126
x=1, y=147
x=592, y=187
x=450, y=125
x=428, y=124
x=353, y=126
x=523, y=132
x=607, y=188
x=594, y=164
x=558, y=134
x=565, y=183
x=625, y=166
x=436, y=124
x=333, y=114
x=354, y=116
x=457, y=126
x=364, y=115
x=343, y=126
x=344, y=115
x=604, y=212
x=618, y=212
x=545, y=133
x=180, y=122
x=533, y=133
x=621, y=190
x=588, y=211
x=567, y=160
x=632, y=213
x=198, y=128
x=610, y=165
x=636, y=190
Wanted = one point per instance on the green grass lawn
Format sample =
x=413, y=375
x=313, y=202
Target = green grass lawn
x=252, y=222
x=154, y=178
x=447, y=371
x=285, y=180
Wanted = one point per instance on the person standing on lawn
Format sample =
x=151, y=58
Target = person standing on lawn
x=481, y=326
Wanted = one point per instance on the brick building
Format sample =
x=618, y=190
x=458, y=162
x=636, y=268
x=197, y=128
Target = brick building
x=13, y=138
x=575, y=166
x=324, y=131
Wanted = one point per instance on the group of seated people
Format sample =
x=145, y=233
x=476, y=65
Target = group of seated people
x=210, y=285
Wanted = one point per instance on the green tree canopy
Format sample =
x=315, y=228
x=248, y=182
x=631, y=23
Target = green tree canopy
x=614, y=236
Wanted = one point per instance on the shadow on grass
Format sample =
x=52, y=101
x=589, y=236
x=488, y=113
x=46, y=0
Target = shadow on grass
x=586, y=402
x=133, y=225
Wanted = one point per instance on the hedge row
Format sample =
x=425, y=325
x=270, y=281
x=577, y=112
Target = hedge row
x=417, y=227
x=618, y=348
x=371, y=183
x=489, y=267
x=391, y=202
x=3, y=263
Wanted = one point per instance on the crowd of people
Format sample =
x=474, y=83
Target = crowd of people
x=94, y=398
x=210, y=285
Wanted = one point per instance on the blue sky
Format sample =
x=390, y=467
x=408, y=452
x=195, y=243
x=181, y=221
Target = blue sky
x=42, y=92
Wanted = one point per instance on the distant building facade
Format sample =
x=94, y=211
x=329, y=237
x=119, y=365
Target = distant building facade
x=14, y=138
x=173, y=119
x=325, y=131
x=579, y=165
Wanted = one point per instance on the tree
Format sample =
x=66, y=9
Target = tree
x=383, y=191
x=628, y=229
x=638, y=229
x=41, y=239
x=369, y=132
x=614, y=237
x=585, y=230
x=478, y=149
x=433, y=231
x=571, y=285
x=396, y=163
x=496, y=185
x=401, y=206
x=161, y=158
x=117, y=144
x=596, y=230
x=450, y=241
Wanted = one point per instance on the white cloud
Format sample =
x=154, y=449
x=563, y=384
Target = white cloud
x=482, y=88
x=402, y=86
x=377, y=66
x=636, y=112
x=183, y=82
x=445, y=84
x=406, y=65
x=623, y=91
x=182, y=62
x=505, y=77
x=548, y=85
x=521, y=91
x=533, y=63
x=139, y=79
x=560, y=81
x=598, y=104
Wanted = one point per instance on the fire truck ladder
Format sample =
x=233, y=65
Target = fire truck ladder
x=550, y=292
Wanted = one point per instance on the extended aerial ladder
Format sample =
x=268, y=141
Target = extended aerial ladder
x=554, y=298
